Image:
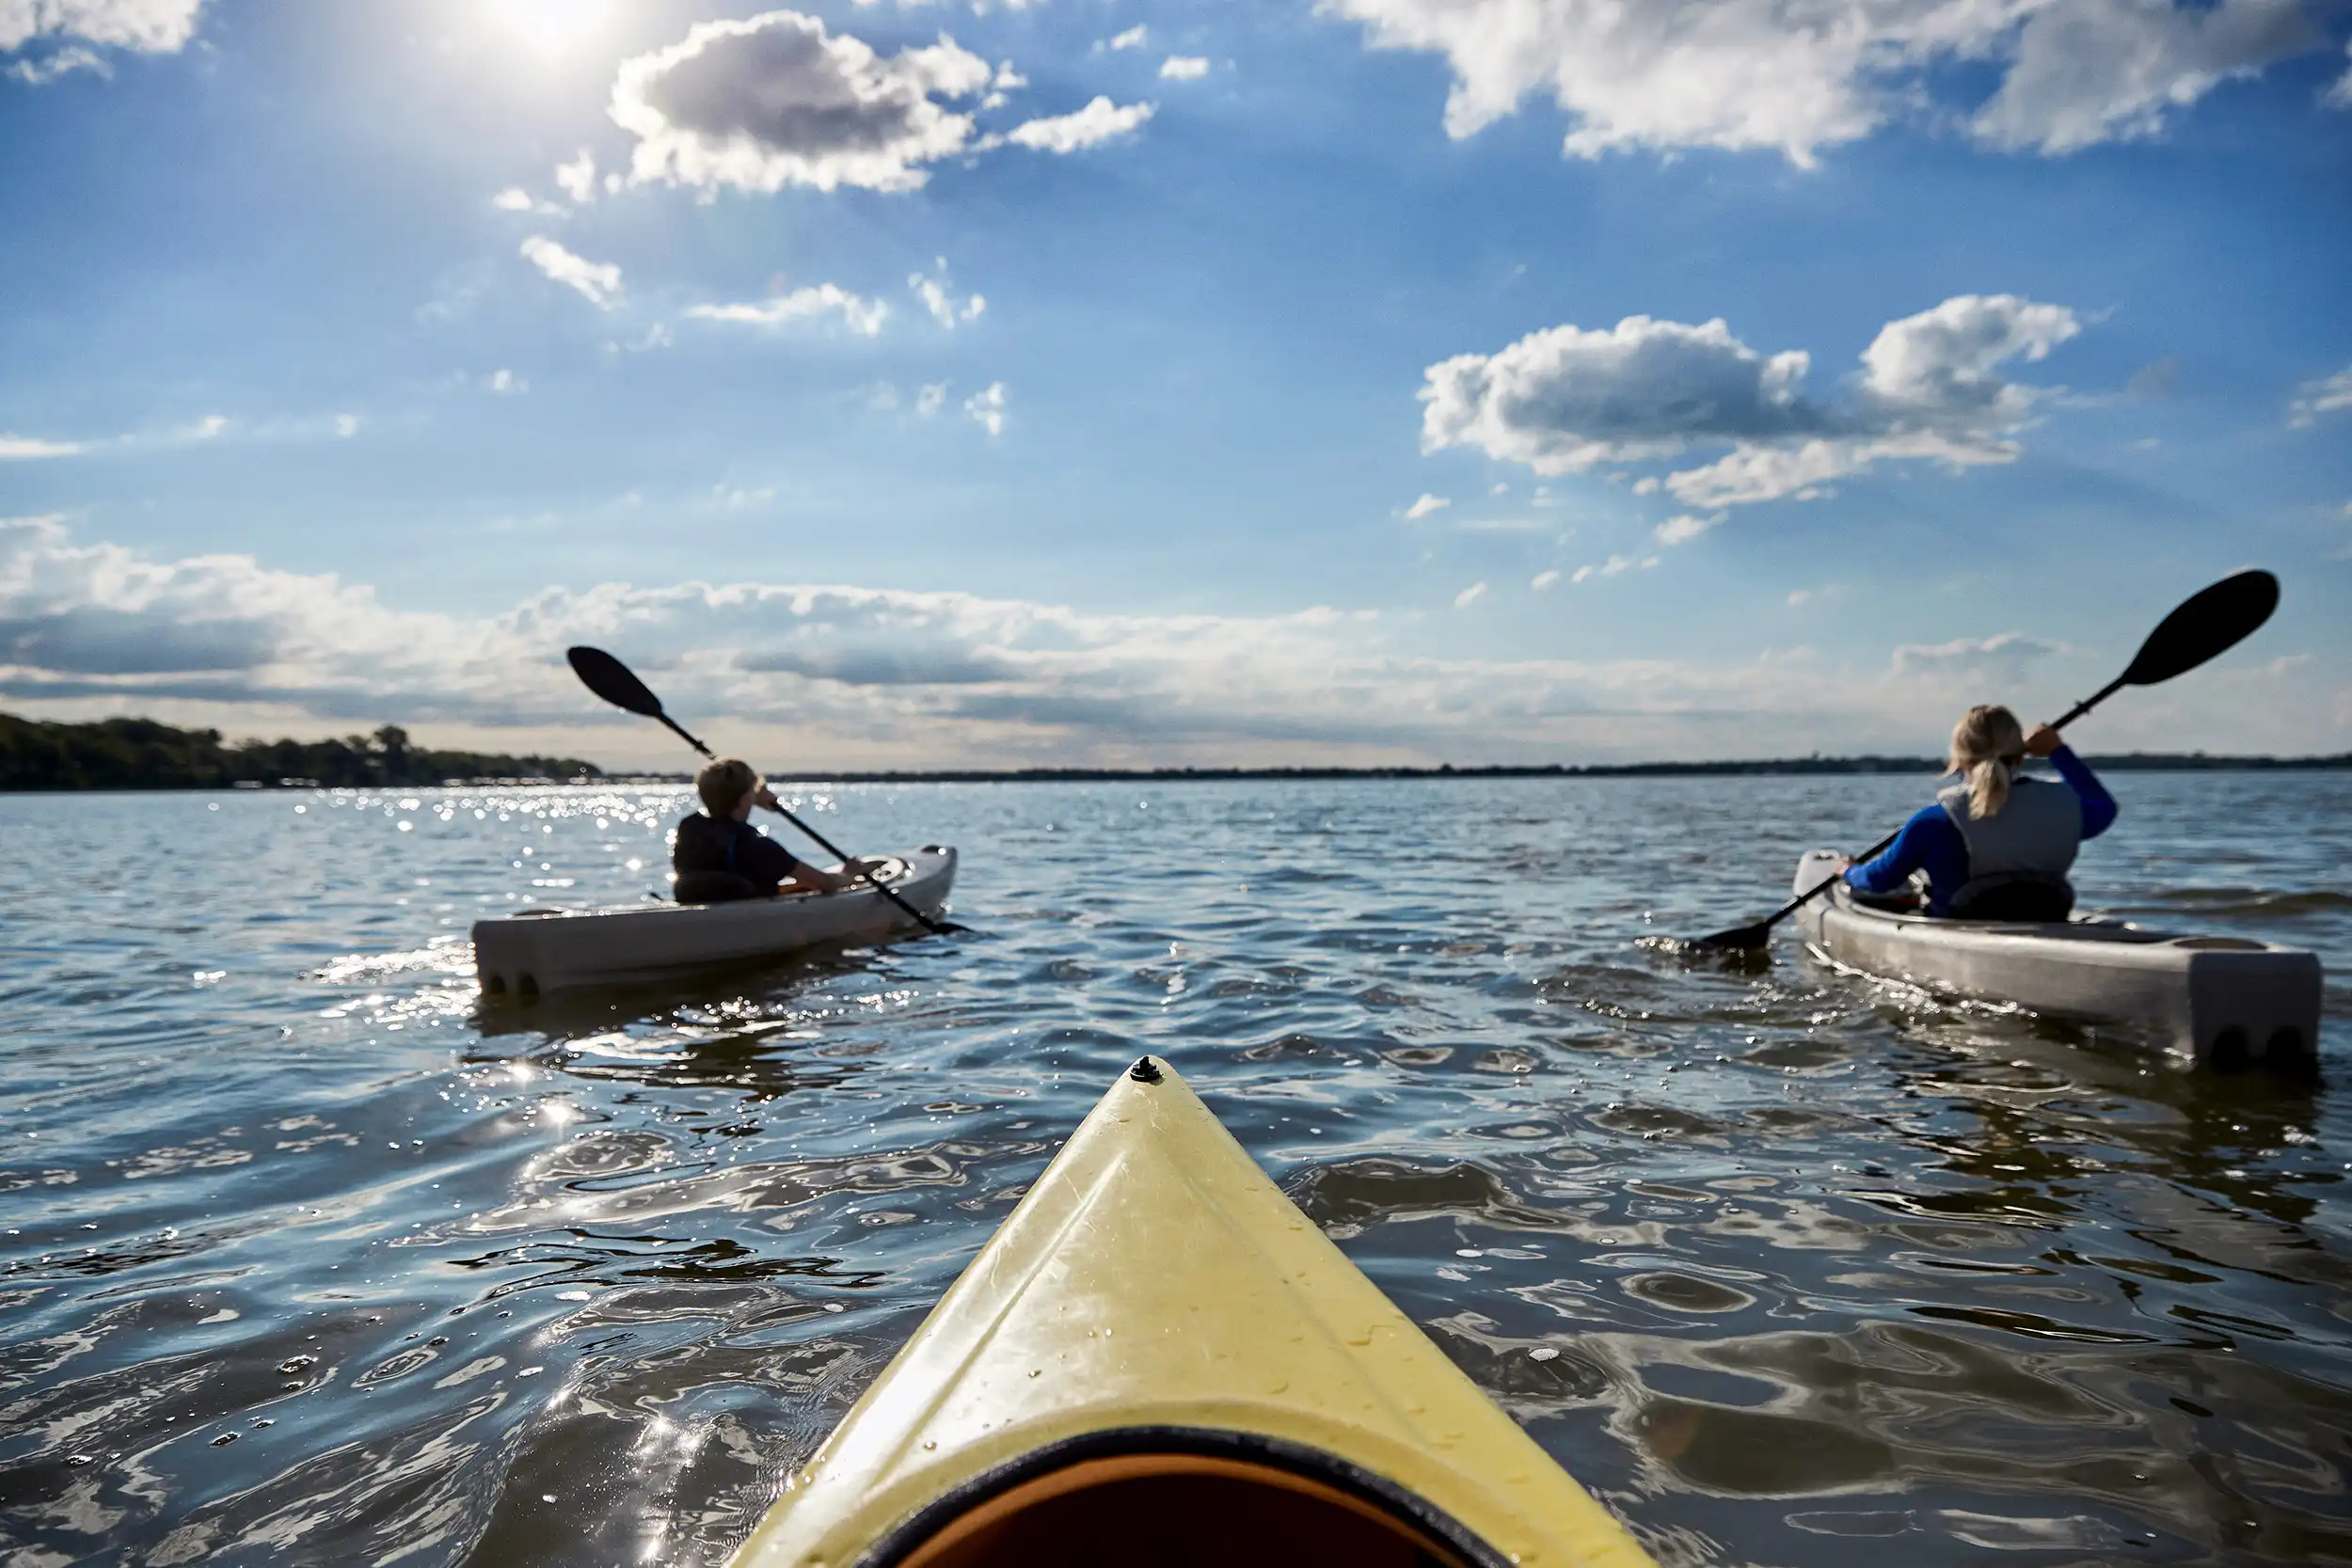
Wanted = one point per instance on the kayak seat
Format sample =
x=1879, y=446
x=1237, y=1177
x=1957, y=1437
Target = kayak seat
x=713, y=887
x=2016, y=895
x=1905, y=902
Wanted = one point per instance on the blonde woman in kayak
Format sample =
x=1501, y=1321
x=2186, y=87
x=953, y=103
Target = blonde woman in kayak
x=1996, y=845
x=719, y=856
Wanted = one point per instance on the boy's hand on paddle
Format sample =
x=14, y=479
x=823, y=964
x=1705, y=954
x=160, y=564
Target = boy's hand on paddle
x=766, y=798
x=2043, y=741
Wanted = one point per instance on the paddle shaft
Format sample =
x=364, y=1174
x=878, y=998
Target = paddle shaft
x=827, y=845
x=1875, y=850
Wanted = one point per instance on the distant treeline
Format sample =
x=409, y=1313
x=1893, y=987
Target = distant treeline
x=140, y=753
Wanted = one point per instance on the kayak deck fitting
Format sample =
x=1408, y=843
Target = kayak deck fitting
x=2222, y=1002
x=538, y=951
x=1158, y=1359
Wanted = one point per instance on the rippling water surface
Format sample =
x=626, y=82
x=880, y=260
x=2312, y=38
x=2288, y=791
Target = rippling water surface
x=311, y=1255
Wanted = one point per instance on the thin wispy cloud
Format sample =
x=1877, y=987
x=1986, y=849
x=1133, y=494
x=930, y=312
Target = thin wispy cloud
x=2325, y=395
x=17, y=449
x=597, y=282
x=859, y=314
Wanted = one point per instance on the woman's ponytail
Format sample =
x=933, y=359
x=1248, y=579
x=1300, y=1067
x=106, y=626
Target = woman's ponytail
x=1988, y=787
x=1987, y=745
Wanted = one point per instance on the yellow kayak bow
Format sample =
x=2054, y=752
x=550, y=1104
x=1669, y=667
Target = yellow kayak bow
x=1157, y=1360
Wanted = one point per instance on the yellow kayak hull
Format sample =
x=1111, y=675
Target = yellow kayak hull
x=1158, y=1358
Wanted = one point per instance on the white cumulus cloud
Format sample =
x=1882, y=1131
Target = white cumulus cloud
x=776, y=100
x=1544, y=579
x=859, y=314
x=1684, y=527
x=1099, y=121
x=1796, y=76
x=1133, y=38
x=514, y=198
x=150, y=26
x=938, y=298
x=1469, y=596
x=985, y=407
x=1427, y=504
x=578, y=179
x=598, y=282
x=1565, y=400
x=1184, y=68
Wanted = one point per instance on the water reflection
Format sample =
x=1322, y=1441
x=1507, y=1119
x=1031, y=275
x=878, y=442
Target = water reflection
x=313, y=1255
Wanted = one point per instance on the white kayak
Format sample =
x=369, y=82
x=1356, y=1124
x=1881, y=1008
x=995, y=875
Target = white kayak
x=547, y=950
x=2223, y=1002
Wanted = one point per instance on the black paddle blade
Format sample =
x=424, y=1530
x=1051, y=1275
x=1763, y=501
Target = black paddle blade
x=1740, y=939
x=2207, y=623
x=609, y=678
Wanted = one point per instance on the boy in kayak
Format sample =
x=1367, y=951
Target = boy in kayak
x=1995, y=846
x=719, y=856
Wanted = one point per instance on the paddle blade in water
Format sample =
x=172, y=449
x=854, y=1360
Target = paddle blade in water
x=609, y=678
x=2205, y=625
x=1740, y=939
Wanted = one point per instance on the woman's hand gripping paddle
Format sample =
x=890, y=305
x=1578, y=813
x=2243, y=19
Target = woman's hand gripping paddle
x=617, y=684
x=2205, y=626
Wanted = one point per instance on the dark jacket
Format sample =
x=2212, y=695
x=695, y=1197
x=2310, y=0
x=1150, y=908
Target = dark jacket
x=711, y=851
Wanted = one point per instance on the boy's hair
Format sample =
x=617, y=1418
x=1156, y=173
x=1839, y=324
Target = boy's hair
x=724, y=784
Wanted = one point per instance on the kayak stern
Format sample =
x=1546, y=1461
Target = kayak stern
x=2215, y=1001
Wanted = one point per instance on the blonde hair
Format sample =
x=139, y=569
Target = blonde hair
x=1987, y=745
x=724, y=784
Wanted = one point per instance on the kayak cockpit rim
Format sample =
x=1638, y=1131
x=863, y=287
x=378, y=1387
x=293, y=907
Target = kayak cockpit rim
x=1225, y=1490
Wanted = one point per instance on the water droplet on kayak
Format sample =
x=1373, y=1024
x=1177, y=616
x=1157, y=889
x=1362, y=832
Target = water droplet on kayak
x=1544, y=1353
x=929, y=1444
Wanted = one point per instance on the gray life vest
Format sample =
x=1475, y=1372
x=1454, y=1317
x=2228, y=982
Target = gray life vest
x=2035, y=833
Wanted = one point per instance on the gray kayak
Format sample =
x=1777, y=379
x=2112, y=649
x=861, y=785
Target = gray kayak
x=2215, y=1001
x=539, y=951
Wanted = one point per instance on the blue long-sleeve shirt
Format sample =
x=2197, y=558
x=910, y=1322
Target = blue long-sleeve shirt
x=1931, y=840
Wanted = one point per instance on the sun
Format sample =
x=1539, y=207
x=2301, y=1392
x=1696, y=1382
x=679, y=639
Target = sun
x=551, y=28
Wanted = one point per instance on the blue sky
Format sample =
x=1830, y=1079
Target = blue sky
x=1472, y=380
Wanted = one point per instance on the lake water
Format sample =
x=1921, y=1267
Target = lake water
x=310, y=1256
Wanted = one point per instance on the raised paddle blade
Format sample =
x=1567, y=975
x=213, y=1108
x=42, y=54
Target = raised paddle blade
x=609, y=678
x=2207, y=625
